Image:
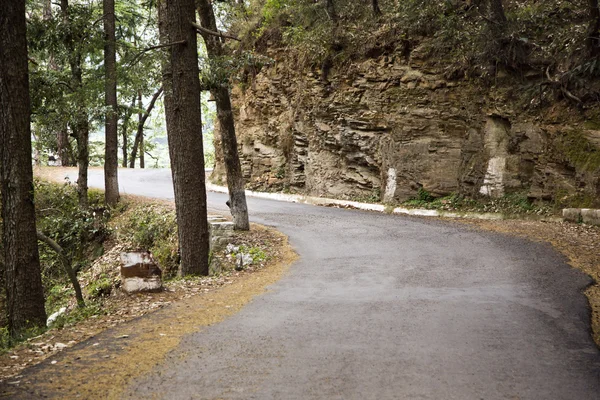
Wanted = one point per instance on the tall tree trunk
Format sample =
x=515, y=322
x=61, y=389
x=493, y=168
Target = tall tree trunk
x=124, y=133
x=25, y=295
x=593, y=32
x=235, y=179
x=80, y=123
x=62, y=139
x=184, y=129
x=81, y=129
x=62, y=135
x=111, y=158
x=142, y=152
x=139, y=136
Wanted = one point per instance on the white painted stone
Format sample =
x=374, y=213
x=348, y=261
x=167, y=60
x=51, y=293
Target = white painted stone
x=390, y=187
x=135, y=284
x=493, y=182
x=54, y=316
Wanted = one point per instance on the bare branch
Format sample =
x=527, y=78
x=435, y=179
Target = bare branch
x=160, y=46
x=562, y=87
x=66, y=262
x=222, y=35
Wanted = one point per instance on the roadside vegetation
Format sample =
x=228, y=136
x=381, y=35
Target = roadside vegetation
x=513, y=204
x=93, y=240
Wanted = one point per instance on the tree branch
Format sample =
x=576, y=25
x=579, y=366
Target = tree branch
x=201, y=30
x=66, y=262
x=160, y=46
x=562, y=87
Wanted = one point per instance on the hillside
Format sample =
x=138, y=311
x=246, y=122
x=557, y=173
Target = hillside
x=428, y=97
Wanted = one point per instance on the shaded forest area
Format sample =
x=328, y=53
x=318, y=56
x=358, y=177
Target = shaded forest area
x=556, y=41
x=69, y=67
x=66, y=69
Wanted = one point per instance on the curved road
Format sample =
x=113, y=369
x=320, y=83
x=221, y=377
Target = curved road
x=388, y=307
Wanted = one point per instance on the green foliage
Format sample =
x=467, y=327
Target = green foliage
x=7, y=341
x=79, y=314
x=258, y=255
x=510, y=204
x=101, y=287
x=79, y=232
x=153, y=228
x=579, y=151
x=58, y=296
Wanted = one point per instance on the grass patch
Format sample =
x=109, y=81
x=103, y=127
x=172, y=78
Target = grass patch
x=579, y=151
x=509, y=204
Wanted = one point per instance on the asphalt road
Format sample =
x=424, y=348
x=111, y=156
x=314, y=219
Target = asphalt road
x=388, y=307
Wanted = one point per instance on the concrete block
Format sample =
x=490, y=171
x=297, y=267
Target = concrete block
x=590, y=216
x=139, y=273
x=572, y=214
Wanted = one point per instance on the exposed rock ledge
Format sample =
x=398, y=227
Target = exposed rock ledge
x=384, y=128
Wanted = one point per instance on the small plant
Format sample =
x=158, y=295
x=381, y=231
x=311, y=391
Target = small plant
x=153, y=228
x=244, y=255
x=78, y=314
x=101, y=287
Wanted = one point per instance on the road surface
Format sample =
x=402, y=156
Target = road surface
x=388, y=307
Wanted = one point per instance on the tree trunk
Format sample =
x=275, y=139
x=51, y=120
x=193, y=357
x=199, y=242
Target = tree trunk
x=124, y=133
x=593, y=32
x=80, y=123
x=498, y=19
x=235, y=179
x=376, y=9
x=81, y=130
x=67, y=265
x=184, y=129
x=142, y=152
x=139, y=136
x=64, y=147
x=111, y=158
x=25, y=295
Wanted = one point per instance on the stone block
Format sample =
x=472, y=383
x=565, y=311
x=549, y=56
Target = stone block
x=590, y=216
x=221, y=226
x=139, y=273
x=572, y=214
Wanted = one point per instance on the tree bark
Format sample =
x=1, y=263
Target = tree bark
x=81, y=130
x=593, y=32
x=235, y=179
x=25, y=295
x=67, y=265
x=376, y=9
x=139, y=136
x=111, y=158
x=184, y=129
x=142, y=152
x=64, y=147
x=80, y=124
x=124, y=133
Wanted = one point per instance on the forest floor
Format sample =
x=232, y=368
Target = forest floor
x=118, y=308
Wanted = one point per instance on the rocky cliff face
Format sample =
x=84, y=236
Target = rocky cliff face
x=385, y=127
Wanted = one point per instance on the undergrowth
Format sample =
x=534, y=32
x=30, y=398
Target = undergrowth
x=509, y=204
x=153, y=228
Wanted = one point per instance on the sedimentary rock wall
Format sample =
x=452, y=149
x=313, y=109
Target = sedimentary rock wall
x=385, y=127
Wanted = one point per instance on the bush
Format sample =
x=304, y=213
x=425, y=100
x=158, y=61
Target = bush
x=81, y=233
x=153, y=228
